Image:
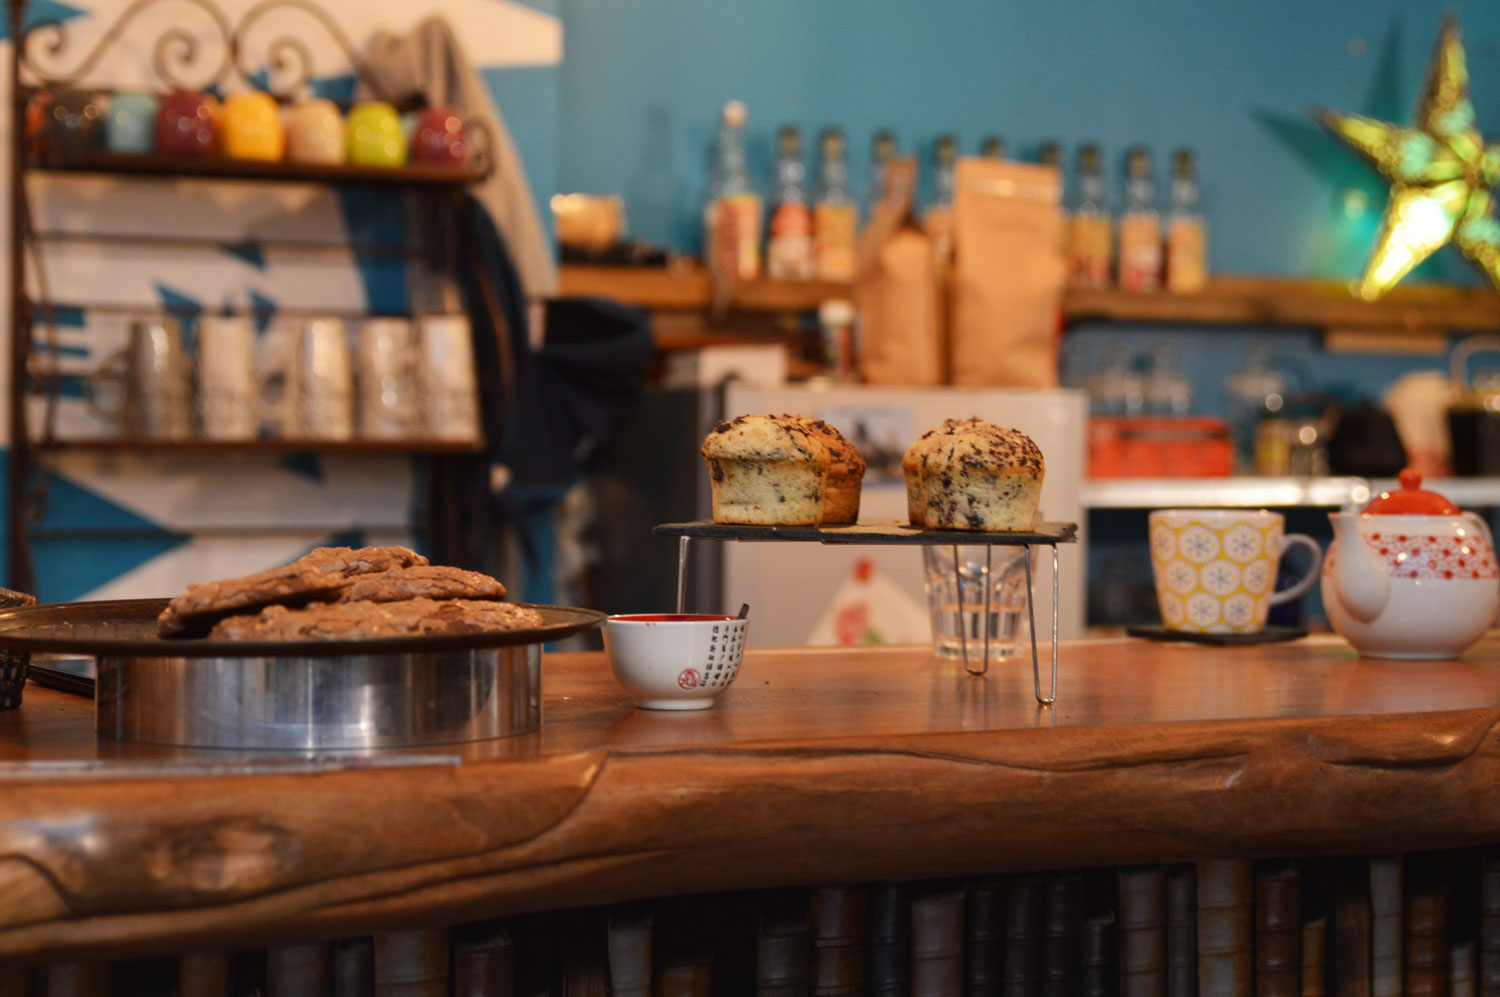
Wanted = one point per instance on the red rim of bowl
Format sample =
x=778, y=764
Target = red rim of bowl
x=672, y=618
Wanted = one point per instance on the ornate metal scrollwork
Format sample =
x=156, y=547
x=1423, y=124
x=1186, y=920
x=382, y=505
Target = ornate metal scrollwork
x=178, y=52
x=177, y=49
x=289, y=62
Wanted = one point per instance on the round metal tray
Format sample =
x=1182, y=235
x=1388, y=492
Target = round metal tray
x=127, y=628
x=301, y=695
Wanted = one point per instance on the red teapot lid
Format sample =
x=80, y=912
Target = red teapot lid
x=1410, y=499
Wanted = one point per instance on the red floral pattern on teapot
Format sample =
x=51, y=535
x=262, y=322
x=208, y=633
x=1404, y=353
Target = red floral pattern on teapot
x=1430, y=556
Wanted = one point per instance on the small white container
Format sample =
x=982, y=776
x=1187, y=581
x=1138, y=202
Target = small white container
x=672, y=661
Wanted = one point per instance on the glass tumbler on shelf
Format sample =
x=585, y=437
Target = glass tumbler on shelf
x=958, y=581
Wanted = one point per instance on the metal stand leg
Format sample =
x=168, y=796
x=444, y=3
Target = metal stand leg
x=984, y=621
x=1036, y=677
x=682, y=563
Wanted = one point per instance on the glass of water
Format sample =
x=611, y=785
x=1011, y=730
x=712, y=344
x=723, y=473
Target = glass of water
x=957, y=581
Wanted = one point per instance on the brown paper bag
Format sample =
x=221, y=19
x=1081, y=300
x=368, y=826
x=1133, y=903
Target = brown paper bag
x=901, y=340
x=1007, y=274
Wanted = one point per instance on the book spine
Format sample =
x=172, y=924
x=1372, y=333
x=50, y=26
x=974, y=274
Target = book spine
x=889, y=916
x=78, y=979
x=1143, y=931
x=299, y=970
x=354, y=967
x=1427, y=944
x=1278, y=932
x=688, y=978
x=1351, y=942
x=782, y=955
x=1023, y=934
x=1385, y=925
x=1489, y=925
x=838, y=938
x=484, y=963
x=411, y=963
x=1461, y=977
x=1062, y=935
x=629, y=944
x=1099, y=973
x=1182, y=931
x=984, y=931
x=1315, y=957
x=937, y=942
x=204, y=974
x=1225, y=895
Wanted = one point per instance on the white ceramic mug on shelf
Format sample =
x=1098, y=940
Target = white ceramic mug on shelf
x=308, y=384
x=386, y=358
x=226, y=377
x=448, y=390
x=146, y=387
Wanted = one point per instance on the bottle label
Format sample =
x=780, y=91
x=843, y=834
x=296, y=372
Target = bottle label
x=1187, y=256
x=1088, y=251
x=736, y=236
x=789, y=253
x=834, y=226
x=1140, y=253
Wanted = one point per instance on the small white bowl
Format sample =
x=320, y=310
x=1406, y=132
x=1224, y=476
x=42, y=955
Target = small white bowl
x=675, y=661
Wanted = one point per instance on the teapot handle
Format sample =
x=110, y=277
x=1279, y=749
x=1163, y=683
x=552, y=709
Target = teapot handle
x=1484, y=527
x=1458, y=363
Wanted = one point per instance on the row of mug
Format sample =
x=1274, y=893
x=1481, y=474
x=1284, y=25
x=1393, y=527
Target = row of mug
x=317, y=379
x=68, y=124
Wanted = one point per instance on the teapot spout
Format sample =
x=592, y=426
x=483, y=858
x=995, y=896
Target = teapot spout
x=1358, y=576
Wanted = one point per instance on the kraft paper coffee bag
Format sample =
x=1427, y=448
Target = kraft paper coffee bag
x=1007, y=274
x=896, y=293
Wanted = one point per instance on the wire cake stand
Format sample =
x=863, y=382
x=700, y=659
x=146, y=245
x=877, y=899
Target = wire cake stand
x=891, y=532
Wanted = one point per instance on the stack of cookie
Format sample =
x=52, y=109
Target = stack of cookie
x=345, y=593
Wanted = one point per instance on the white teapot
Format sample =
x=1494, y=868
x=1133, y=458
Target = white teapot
x=1411, y=576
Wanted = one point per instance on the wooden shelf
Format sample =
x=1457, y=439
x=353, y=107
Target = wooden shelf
x=1229, y=300
x=817, y=766
x=261, y=446
x=165, y=167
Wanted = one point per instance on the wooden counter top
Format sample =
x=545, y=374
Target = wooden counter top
x=816, y=766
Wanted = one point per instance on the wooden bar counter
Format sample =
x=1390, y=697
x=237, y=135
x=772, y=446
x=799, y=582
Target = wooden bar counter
x=817, y=766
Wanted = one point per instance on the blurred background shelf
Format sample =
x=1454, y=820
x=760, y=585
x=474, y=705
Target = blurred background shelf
x=1404, y=313
x=176, y=168
x=1276, y=493
x=367, y=447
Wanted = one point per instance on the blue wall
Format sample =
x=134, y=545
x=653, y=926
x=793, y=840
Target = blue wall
x=642, y=83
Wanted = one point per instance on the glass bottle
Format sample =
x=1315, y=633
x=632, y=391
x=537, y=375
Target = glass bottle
x=1187, y=243
x=1050, y=154
x=1089, y=232
x=789, y=250
x=835, y=218
x=1116, y=389
x=938, y=222
x=992, y=147
x=731, y=236
x=1140, y=226
x=882, y=151
x=1167, y=392
x=1254, y=393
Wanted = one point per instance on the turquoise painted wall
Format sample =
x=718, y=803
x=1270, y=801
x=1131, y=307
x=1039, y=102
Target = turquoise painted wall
x=642, y=83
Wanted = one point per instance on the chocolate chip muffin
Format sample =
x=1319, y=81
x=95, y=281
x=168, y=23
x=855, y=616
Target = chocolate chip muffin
x=782, y=470
x=969, y=474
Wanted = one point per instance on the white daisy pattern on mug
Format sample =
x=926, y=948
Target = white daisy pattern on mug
x=1244, y=543
x=1198, y=544
x=1220, y=577
x=1182, y=578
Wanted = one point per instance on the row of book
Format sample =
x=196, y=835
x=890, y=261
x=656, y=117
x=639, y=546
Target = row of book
x=1417, y=924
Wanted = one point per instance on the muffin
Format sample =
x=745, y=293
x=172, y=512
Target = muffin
x=782, y=470
x=969, y=474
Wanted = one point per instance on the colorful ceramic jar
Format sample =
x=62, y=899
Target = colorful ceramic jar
x=130, y=123
x=187, y=124
x=376, y=137
x=315, y=133
x=438, y=138
x=250, y=128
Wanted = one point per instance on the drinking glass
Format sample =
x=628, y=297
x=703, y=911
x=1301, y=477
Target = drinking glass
x=974, y=592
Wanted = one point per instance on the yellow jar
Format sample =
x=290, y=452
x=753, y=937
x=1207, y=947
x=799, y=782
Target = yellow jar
x=250, y=128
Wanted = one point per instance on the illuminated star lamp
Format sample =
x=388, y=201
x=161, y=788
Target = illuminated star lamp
x=1441, y=175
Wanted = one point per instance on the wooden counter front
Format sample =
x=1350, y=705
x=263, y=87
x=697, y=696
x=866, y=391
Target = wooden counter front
x=816, y=766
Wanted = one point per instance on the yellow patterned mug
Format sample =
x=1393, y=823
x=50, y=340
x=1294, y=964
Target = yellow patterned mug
x=1215, y=569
